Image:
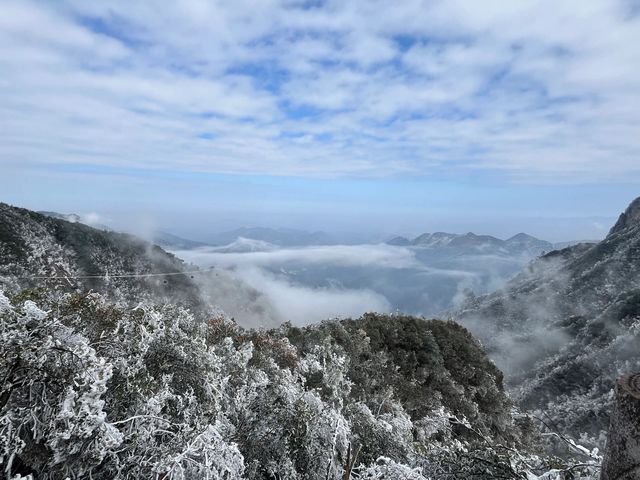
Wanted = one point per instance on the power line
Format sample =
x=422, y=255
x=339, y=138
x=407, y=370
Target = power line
x=107, y=275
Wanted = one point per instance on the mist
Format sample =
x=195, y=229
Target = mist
x=308, y=284
x=525, y=334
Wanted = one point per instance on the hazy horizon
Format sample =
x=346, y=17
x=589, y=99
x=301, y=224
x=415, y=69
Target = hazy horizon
x=367, y=226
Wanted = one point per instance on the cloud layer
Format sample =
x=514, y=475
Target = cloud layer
x=528, y=90
x=304, y=285
x=384, y=256
x=303, y=305
x=300, y=302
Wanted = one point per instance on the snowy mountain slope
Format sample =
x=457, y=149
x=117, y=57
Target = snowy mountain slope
x=75, y=218
x=138, y=388
x=35, y=245
x=430, y=240
x=567, y=326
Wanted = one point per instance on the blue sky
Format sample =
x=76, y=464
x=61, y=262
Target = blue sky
x=387, y=117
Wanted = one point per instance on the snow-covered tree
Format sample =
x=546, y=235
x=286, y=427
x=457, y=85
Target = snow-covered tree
x=95, y=390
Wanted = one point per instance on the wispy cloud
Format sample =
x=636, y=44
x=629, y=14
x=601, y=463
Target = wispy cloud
x=384, y=256
x=530, y=90
x=312, y=283
x=303, y=305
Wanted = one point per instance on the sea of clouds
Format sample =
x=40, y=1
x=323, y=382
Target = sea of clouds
x=308, y=284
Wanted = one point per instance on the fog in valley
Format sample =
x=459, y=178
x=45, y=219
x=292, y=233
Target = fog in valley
x=310, y=283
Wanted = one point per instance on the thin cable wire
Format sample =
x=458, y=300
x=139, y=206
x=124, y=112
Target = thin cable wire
x=108, y=275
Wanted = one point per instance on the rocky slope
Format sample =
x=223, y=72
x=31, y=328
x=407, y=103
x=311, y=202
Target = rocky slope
x=630, y=217
x=567, y=326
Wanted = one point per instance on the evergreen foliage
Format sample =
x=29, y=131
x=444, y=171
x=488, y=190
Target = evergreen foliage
x=93, y=390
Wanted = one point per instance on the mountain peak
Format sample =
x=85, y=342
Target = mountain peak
x=399, y=242
x=630, y=217
x=521, y=237
x=75, y=218
x=69, y=217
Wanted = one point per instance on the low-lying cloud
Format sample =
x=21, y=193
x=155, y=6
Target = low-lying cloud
x=303, y=305
x=344, y=255
x=276, y=298
x=308, y=284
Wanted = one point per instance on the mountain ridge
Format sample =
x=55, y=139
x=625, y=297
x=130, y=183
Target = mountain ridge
x=518, y=243
x=44, y=253
x=566, y=327
x=630, y=217
x=74, y=218
x=429, y=381
x=76, y=256
x=283, y=237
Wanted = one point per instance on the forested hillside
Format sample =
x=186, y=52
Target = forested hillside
x=57, y=256
x=71, y=255
x=567, y=327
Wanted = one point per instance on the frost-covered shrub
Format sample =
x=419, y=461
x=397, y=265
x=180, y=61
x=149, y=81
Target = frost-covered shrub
x=91, y=390
x=386, y=469
x=52, y=413
x=389, y=433
x=422, y=364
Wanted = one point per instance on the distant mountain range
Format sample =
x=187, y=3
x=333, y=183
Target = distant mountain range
x=520, y=243
x=245, y=245
x=282, y=237
x=264, y=238
x=174, y=242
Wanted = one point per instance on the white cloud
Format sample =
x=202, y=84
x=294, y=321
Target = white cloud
x=384, y=256
x=304, y=285
x=534, y=90
x=303, y=305
x=92, y=218
x=283, y=300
